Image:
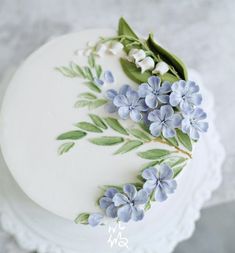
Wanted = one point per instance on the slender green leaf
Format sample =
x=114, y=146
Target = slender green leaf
x=97, y=103
x=97, y=121
x=72, y=135
x=133, y=72
x=128, y=146
x=106, y=140
x=177, y=170
x=93, y=87
x=76, y=69
x=125, y=29
x=98, y=70
x=154, y=154
x=144, y=127
x=150, y=164
x=82, y=103
x=88, y=127
x=175, y=161
x=115, y=125
x=88, y=73
x=66, y=71
x=184, y=139
x=65, y=147
x=88, y=95
x=172, y=141
x=169, y=77
x=140, y=134
x=91, y=60
x=147, y=205
x=168, y=57
x=82, y=218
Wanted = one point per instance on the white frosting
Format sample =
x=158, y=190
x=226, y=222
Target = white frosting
x=38, y=106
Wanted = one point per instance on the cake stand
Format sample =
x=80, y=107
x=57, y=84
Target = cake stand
x=36, y=229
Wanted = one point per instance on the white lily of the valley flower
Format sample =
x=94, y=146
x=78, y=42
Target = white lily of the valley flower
x=87, y=52
x=146, y=64
x=101, y=49
x=136, y=55
x=161, y=68
x=115, y=47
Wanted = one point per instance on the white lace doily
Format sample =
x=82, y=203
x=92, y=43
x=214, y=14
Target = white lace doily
x=36, y=229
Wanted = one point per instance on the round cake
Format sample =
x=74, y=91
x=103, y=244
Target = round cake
x=97, y=127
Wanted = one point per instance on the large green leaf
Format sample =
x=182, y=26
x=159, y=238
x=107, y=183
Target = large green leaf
x=125, y=29
x=98, y=121
x=128, y=146
x=184, y=139
x=72, y=135
x=88, y=127
x=154, y=154
x=97, y=103
x=93, y=86
x=65, y=147
x=106, y=140
x=115, y=125
x=140, y=134
x=168, y=57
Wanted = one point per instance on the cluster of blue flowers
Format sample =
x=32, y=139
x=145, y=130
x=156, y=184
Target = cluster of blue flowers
x=163, y=106
x=128, y=204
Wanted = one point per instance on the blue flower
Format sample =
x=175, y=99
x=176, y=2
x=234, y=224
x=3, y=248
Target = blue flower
x=108, y=76
x=192, y=123
x=95, y=219
x=165, y=121
x=130, y=104
x=111, y=94
x=129, y=203
x=185, y=94
x=107, y=204
x=160, y=181
x=153, y=92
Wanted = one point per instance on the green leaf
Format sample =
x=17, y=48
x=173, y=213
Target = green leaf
x=66, y=71
x=172, y=141
x=72, y=135
x=169, y=77
x=91, y=60
x=88, y=127
x=144, y=127
x=139, y=134
x=147, y=205
x=133, y=72
x=124, y=29
x=65, y=147
x=82, y=103
x=115, y=125
x=97, y=103
x=82, y=218
x=175, y=161
x=93, y=87
x=177, y=170
x=154, y=154
x=78, y=70
x=106, y=140
x=87, y=95
x=97, y=121
x=98, y=70
x=150, y=164
x=128, y=146
x=88, y=73
x=184, y=139
x=168, y=57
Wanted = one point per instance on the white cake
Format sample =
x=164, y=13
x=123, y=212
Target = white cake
x=65, y=174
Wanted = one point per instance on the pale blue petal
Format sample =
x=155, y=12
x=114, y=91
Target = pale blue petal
x=108, y=76
x=185, y=125
x=155, y=129
x=111, y=108
x=169, y=185
x=124, y=112
x=176, y=120
x=166, y=112
x=192, y=87
x=199, y=114
x=194, y=133
x=141, y=197
x=120, y=100
x=155, y=116
x=175, y=99
x=111, y=211
x=141, y=106
x=164, y=99
x=160, y=194
x=123, y=90
x=132, y=97
x=111, y=94
x=165, y=88
x=144, y=90
x=154, y=82
x=124, y=213
x=165, y=172
x=151, y=101
x=137, y=214
x=202, y=126
x=98, y=82
x=181, y=85
x=105, y=202
x=130, y=191
x=135, y=115
x=95, y=219
x=120, y=199
x=168, y=132
x=149, y=173
x=196, y=99
x=150, y=185
x=111, y=192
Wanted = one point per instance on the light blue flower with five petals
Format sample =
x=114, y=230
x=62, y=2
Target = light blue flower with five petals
x=131, y=105
x=192, y=123
x=164, y=121
x=153, y=92
x=107, y=203
x=185, y=94
x=129, y=203
x=159, y=181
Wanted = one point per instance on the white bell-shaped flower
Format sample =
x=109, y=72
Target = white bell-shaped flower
x=115, y=47
x=161, y=68
x=101, y=49
x=136, y=55
x=146, y=64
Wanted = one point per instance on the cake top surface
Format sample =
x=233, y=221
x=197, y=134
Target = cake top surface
x=95, y=109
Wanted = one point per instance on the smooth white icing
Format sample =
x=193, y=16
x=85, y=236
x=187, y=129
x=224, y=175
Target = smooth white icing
x=38, y=106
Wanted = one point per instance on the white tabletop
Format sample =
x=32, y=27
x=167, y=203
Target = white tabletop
x=198, y=31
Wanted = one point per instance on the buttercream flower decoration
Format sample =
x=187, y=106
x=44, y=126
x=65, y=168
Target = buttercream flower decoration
x=95, y=219
x=185, y=94
x=161, y=68
x=131, y=105
x=193, y=123
x=153, y=92
x=146, y=64
x=115, y=47
x=106, y=203
x=111, y=94
x=101, y=49
x=129, y=203
x=106, y=78
x=164, y=121
x=136, y=55
x=159, y=181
